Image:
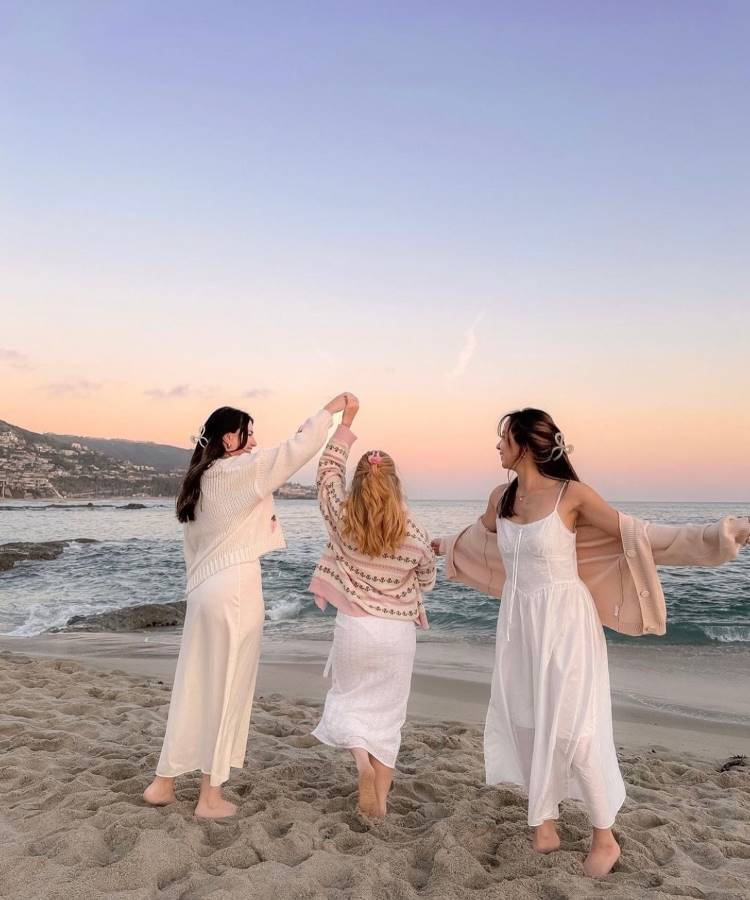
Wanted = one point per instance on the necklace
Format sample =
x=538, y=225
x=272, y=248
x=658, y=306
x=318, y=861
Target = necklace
x=531, y=493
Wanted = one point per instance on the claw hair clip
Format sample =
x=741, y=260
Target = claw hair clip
x=561, y=447
x=201, y=440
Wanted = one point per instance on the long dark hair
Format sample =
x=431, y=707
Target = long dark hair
x=535, y=433
x=208, y=449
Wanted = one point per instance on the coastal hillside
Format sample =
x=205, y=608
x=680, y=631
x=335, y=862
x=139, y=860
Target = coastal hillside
x=42, y=466
x=163, y=458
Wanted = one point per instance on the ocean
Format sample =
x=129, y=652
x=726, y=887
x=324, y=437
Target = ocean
x=138, y=559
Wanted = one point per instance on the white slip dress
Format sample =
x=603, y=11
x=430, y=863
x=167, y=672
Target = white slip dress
x=214, y=682
x=549, y=723
x=371, y=662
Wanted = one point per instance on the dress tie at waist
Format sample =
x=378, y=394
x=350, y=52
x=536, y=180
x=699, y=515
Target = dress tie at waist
x=512, y=599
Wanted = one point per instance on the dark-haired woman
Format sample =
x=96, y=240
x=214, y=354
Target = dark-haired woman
x=226, y=507
x=565, y=563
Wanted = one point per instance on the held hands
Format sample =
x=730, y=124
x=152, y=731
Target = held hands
x=350, y=410
x=435, y=544
x=337, y=404
x=346, y=403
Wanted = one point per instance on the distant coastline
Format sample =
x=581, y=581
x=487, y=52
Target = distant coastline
x=37, y=466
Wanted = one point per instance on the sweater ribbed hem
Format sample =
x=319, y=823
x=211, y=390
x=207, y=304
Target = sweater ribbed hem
x=326, y=593
x=224, y=561
x=374, y=605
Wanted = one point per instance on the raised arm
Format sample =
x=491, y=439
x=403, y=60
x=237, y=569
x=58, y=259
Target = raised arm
x=331, y=477
x=276, y=465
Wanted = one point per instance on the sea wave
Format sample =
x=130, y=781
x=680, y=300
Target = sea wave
x=691, y=633
x=284, y=610
x=137, y=562
x=728, y=633
x=143, y=616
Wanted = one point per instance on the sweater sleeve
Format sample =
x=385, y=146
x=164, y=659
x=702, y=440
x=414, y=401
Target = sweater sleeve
x=331, y=479
x=275, y=466
x=427, y=570
x=473, y=558
x=697, y=545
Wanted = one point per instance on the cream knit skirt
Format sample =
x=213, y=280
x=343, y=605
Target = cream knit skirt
x=214, y=683
x=372, y=661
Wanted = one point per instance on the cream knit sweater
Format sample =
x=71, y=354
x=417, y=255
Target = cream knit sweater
x=235, y=520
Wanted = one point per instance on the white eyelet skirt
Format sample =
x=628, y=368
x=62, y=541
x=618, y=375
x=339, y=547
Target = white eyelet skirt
x=371, y=662
x=214, y=683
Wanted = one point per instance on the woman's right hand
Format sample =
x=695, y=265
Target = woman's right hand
x=350, y=410
x=435, y=544
x=337, y=404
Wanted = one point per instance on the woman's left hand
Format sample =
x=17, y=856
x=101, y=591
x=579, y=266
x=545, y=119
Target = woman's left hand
x=350, y=410
x=743, y=536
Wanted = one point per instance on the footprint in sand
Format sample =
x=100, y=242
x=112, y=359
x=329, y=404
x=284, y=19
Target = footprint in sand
x=642, y=818
x=119, y=840
x=423, y=791
x=705, y=855
x=735, y=850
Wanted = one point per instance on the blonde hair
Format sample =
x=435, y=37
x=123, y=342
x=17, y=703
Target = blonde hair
x=373, y=513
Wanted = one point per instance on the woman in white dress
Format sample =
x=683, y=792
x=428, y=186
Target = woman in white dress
x=226, y=507
x=549, y=723
x=375, y=569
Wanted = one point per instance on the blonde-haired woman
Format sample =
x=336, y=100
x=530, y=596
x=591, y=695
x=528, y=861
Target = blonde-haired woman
x=375, y=569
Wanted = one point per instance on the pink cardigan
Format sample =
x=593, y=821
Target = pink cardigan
x=620, y=573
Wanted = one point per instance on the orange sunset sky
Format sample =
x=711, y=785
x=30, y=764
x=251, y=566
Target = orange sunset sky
x=451, y=216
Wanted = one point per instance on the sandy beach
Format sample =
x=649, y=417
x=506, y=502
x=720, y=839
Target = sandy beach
x=81, y=726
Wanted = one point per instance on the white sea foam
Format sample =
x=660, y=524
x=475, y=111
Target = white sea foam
x=728, y=633
x=283, y=610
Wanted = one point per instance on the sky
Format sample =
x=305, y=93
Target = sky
x=450, y=209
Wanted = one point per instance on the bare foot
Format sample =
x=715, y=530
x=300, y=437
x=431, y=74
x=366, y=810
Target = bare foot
x=383, y=783
x=211, y=802
x=601, y=858
x=368, y=799
x=160, y=792
x=216, y=809
x=546, y=839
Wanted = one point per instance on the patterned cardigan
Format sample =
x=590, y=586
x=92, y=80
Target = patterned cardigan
x=388, y=586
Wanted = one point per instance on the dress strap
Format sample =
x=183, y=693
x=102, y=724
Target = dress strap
x=559, y=496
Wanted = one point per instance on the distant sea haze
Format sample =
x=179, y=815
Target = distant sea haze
x=137, y=559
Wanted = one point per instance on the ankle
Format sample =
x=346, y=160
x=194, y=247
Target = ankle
x=603, y=838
